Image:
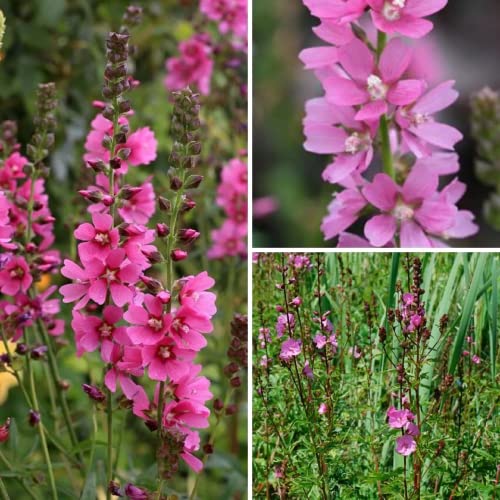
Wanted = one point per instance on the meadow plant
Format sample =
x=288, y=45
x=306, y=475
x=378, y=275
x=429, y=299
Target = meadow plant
x=140, y=306
x=379, y=378
x=379, y=105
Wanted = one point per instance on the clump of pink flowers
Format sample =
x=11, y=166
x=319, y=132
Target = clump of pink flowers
x=230, y=239
x=27, y=229
x=198, y=55
x=147, y=332
x=403, y=419
x=376, y=102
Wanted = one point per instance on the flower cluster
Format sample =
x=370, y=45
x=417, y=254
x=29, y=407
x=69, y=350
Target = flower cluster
x=403, y=419
x=27, y=227
x=195, y=63
x=376, y=101
x=144, y=330
x=230, y=239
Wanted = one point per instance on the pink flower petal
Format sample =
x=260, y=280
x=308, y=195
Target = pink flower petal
x=394, y=60
x=412, y=236
x=437, y=99
x=438, y=134
x=344, y=92
x=357, y=59
x=372, y=111
x=382, y=192
x=324, y=139
x=421, y=8
x=379, y=230
x=319, y=57
x=84, y=232
x=98, y=291
x=421, y=183
x=405, y=92
x=341, y=167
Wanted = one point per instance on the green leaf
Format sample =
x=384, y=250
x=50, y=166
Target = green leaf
x=89, y=489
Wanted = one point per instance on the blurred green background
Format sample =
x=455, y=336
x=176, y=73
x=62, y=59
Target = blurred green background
x=466, y=45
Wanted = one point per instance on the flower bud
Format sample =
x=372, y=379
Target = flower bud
x=193, y=181
x=33, y=418
x=164, y=204
x=177, y=254
x=188, y=235
x=162, y=230
x=94, y=393
x=39, y=352
x=4, y=431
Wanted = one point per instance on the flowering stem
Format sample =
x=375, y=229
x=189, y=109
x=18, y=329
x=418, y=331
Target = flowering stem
x=109, y=412
x=40, y=426
x=384, y=127
x=3, y=490
x=386, y=147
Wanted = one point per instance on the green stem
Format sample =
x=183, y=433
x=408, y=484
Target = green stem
x=40, y=427
x=386, y=147
x=109, y=412
x=21, y=480
x=384, y=126
x=3, y=490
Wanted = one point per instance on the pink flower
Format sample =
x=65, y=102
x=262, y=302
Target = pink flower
x=15, y=276
x=165, y=359
x=355, y=352
x=290, y=348
x=412, y=429
x=476, y=359
x=418, y=128
x=343, y=211
x=193, y=293
x=228, y=240
x=140, y=207
x=323, y=409
x=230, y=14
x=100, y=237
x=339, y=11
x=187, y=328
x=150, y=323
x=331, y=129
x=283, y=322
x=194, y=66
x=404, y=16
x=405, y=445
x=142, y=144
x=307, y=370
x=372, y=86
x=91, y=331
x=185, y=413
x=94, y=280
x=320, y=341
x=415, y=209
x=192, y=387
x=399, y=418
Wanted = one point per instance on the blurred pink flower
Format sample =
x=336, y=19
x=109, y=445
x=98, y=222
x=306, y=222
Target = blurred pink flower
x=405, y=445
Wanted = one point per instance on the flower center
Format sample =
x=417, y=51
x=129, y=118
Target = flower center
x=102, y=238
x=376, y=88
x=357, y=142
x=106, y=330
x=155, y=323
x=419, y=118
x=110, y=274
x=402, y=211
x=164, y=352
x=178, y=326
x=392, y=9
x=17, y=273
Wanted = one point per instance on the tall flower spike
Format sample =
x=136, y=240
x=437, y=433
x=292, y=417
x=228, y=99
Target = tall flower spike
x=373, y=89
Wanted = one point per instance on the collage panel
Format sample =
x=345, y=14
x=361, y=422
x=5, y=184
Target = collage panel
x=123, y=250
x=375, y=124
x=375, y=375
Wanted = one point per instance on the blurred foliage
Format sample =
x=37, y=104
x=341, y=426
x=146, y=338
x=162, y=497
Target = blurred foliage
x=63, y=41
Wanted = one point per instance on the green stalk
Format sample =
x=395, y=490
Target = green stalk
x=21, y=480
x=109, y=412
x=40, y=426
x=3, y=490
x=385, y=143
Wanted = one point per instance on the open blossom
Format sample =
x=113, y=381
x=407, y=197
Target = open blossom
x=15, y=276
x=284, y=322
x=419, y=131
x=404, y=16
x=231, y=15
x=323, y=409
x=373, y=86
x=290, y=348
x=338, y=11
x=100, y=237
x=406, y=445
x=416, y=209
x=194, y=66
x=331, y=129
x=398, y=419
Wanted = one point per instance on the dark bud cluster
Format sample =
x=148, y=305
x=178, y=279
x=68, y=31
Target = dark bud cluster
x=185, y=131
x=169, y=453
x=45, y=123
x=8, y=138
x=238, y=349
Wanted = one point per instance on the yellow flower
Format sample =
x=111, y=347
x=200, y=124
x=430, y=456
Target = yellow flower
x=7, y=380
x=2, y=27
